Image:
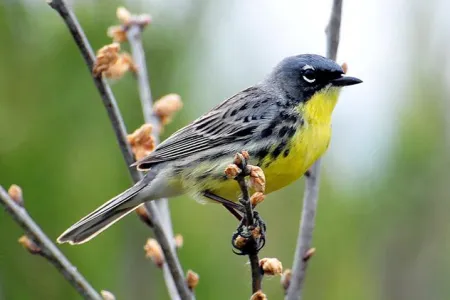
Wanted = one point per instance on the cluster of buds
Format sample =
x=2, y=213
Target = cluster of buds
x=112, y=64
x=257, y=179
x=141, y=141
x=119, y=32
x=109, y=62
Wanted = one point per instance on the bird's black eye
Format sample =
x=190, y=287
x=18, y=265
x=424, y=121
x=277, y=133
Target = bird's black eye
x=309, y=75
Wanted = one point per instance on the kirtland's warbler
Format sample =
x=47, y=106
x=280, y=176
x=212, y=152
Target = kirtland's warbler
x=284, y=122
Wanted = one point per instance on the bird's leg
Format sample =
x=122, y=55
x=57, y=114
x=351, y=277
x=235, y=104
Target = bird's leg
x=250, y=236
x=234, y=208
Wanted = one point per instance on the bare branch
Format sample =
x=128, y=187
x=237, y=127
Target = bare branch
x=46, y=248
x=120, y=131
x=310, y=196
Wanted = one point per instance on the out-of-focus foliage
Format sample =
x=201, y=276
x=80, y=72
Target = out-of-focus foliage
x=389, y=239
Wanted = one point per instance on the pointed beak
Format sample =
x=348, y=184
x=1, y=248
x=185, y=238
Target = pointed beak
x=345, y=81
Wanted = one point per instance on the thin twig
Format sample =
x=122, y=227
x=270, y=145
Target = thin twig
x=134, y=36
x=121, y=133
x=310, y=197
x=249, y=222
x=48, y=249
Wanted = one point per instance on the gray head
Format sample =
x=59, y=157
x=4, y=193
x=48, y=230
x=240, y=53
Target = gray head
x=300, y=77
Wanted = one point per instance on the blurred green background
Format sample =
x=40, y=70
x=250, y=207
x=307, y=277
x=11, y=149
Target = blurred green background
x=383, y=229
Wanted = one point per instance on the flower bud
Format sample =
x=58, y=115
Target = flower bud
x=271, y=266
x=15, y=192
x=154, y=251
x=29, y=244
x=178, y=241
x=232, y=171
x=259, y=295
x=106, y=295
x=257, y=198
x=286, y=279
x=192, y=279
x=167, y=106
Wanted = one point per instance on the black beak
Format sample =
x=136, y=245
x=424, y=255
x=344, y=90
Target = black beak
x=345, y=80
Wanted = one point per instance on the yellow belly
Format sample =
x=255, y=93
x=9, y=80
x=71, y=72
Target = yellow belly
x=307, y=146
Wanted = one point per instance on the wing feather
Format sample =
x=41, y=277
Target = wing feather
x=229, y=121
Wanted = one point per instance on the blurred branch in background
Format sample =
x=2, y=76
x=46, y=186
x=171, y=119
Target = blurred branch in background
x=119, y=127
x=37, y=242
x=133, y=26
x=310, y=197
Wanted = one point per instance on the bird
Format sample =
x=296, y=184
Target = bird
x=283, y=122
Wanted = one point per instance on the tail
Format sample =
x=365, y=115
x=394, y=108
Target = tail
x=105, y=216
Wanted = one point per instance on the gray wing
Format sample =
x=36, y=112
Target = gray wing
x=237, y=118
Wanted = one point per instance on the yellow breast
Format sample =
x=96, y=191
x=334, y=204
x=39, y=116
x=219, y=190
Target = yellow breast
x=308, y=144
x=305, y=148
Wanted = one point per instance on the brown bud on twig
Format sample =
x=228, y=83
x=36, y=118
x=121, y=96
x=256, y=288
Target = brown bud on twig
x=309, y=254
x=141, y=141
x=29, y=244
x=257, y=198
x=271, y=266
x=259, y=295
x=117, y=33
x=123, y=15
x=245, y=154
x=286, y=279
x=166, y=106
x=178, y=241
x=257, y=179
x=143, y=215
x=154, y=251
x=240, y=242
x=344, y=67
x=112, y=64
x=192, y=279
x=15, y=192
x=126, y=18
x=107, y=295
x=238, y=159
x=232, y=171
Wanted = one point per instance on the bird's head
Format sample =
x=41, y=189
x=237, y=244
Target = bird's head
x=301, y=77
x=311, y=82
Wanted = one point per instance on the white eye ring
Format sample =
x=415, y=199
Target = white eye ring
x=308, y=67
x=308, y=80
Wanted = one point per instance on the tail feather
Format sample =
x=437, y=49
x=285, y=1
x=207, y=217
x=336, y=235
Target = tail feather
x=104, y=216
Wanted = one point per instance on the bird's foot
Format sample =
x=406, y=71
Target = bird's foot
x=249, y=239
